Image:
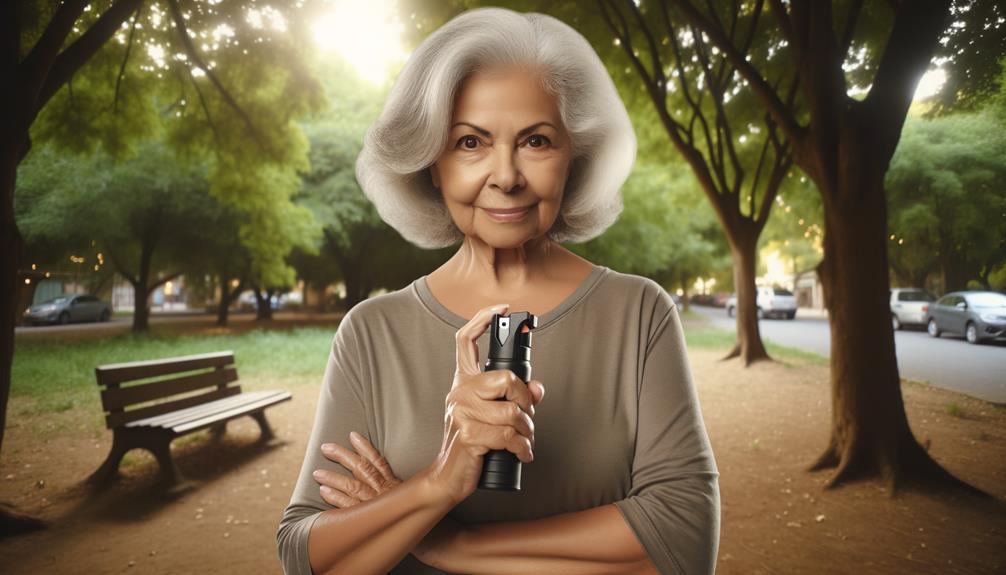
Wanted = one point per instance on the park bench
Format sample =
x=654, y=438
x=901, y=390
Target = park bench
x=191, y=393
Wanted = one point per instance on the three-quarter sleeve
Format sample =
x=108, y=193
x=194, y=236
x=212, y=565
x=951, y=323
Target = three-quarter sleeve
x=673, y=505
x=341, y=409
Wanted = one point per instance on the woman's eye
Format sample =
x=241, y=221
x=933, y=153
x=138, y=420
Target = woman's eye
x=468, y=142
x=538, y=141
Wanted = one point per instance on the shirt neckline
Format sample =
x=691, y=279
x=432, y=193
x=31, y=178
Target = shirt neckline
x=422, y=291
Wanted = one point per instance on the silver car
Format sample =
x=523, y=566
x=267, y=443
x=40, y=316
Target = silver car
x=979, y=315
x=68, y=308
x=910, y=306
x=769, y=302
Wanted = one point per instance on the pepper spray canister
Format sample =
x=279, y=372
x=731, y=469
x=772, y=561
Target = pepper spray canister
x=509, y=348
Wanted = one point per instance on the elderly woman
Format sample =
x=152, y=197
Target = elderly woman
x=505, y=132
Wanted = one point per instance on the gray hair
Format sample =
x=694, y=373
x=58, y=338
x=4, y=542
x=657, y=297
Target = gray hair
x=412, y=130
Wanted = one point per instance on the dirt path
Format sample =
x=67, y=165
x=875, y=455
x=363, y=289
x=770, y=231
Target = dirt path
x=766, y=424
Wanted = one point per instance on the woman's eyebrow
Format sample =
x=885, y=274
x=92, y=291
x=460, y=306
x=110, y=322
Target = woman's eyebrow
x=486, y=132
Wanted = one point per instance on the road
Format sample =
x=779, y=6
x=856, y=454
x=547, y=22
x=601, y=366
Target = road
x=948, y=361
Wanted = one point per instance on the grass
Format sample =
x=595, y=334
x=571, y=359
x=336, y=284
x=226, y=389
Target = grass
x=703, y=337
x=59, y=375
x=954, y=409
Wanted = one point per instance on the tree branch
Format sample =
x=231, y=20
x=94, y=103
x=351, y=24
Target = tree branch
x=780, y=113
x=153, y=286
x=125, y=58
x=206, y=109
x=190, y=49
x=35, y=67
x=77, y=54
x=917, y=28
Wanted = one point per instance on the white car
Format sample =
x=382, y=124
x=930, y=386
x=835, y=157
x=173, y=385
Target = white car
x=770, y=301
x=910, y=306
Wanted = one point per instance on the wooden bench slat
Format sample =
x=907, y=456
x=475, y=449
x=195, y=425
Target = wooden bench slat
x=180, y=416
x=272, y=399
x=120, y=372
x=120, y=418
x=116, y=398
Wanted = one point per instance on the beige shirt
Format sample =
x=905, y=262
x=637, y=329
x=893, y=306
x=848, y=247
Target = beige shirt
x=620, y=422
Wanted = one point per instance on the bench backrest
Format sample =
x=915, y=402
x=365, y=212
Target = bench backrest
x=185, y=375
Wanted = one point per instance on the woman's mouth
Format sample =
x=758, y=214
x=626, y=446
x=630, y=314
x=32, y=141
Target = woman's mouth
x=508, y=214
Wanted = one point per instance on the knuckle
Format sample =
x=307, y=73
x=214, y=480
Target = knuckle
x=513, y=411
x=509, y=433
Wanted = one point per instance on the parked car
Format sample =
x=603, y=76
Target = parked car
x=770, y=301
x=978, y=315
x=68, y=308
x=909, y=306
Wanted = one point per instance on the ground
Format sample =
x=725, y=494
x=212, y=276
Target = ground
x=766, y=424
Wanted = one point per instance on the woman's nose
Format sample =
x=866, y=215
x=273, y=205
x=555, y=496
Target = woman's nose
x=506, y=174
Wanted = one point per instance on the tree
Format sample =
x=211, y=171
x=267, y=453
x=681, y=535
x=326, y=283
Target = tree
x=844, y=144
x=143, y=213
x=81, y=74
x=735, y=150
x=948, y=203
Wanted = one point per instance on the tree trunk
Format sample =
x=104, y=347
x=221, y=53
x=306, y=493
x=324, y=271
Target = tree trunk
x=141, y=287
x=141, y=307
x=354, y=290
x=749, y=346
x=227, y=296
x=263, y=301
x=13, y=248
x=870, y=433
x=685, y=304
x=224, y=305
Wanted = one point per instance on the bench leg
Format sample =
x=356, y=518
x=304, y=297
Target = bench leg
x=110, y=468
x=170, y=475
x=263, y=424
x=217, y=431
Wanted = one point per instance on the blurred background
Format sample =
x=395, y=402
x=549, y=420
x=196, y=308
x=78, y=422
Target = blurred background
x=820, y=186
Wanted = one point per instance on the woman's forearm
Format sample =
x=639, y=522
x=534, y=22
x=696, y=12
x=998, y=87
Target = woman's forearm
x=592, y=541
x=375, y=535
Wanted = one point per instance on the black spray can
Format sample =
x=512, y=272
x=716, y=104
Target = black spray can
x=509, y=348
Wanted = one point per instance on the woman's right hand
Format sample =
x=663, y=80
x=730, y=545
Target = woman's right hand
x=475, y=422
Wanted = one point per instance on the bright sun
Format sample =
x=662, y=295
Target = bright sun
x=366, y=33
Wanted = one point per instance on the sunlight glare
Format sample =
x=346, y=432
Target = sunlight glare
x=930, y=84
x=366, y=34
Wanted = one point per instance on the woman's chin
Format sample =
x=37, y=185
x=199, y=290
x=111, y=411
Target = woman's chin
x=505, y=238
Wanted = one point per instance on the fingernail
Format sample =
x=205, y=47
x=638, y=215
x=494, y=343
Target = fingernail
x=328, y=447
x=354, y=436
x=316, y=473
x=500, y=306
x=326, y=489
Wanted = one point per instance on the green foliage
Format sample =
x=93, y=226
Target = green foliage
x=972, y=52
x=229, y=101
x=355, y=245
x=121, y=206
x=946, y=196
x=663, y=229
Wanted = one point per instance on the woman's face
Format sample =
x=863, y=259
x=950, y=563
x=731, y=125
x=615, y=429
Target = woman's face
x=507, y=148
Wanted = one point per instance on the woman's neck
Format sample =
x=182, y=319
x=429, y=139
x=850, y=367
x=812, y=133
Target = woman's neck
x=503, y=270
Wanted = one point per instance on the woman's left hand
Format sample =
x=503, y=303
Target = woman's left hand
x=373, y=476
